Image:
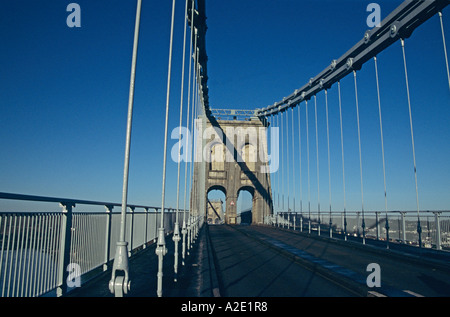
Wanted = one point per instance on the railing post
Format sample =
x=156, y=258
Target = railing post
x=357, y=224
x=295, y=218
x=64, y=251
x=183, y=233
x=377, y=224
x=146, y=229
x=318, y=224
x=331, y=226
x=387, y=231
x=402, y=213
x=301, y=222
x=438, y=230
x=130, y=239
x=109, y=209
x=156, y=224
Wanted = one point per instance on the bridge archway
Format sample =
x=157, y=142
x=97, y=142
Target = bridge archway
x=245, y=204
x=216, y=198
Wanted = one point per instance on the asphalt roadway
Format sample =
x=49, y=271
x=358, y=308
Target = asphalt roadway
x=257, y=261
x=266, y=262
x=248, y=268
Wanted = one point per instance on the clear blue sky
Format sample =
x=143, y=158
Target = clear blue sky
x=64, y=95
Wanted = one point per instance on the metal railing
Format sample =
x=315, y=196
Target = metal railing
x=402, y=226
x=40, y=249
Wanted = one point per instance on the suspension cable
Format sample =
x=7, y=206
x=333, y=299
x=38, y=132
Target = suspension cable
x=176, y=238
x=300, y=168
x=309, y=184
x=192, y=143
x=343, y=164
x=269, y=174
x=317, y=162
x=197, y=150
x=194, y=127
x=287, y=157
x=167, y=116
x=363, y=225
x=293, y=160
x=419, y=229
x=382, y=152
x=187, y=144
x=282, y=159
x=329, y=164
x=445, y=48
x=121, y=256
x=279, y=167
x=161, y=249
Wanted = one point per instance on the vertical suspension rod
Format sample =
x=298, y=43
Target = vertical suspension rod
x=193, y=143
x=287, y=157
x=309, y=180
x=188, y=143
x=363, y=225
x=282, y=159
x=382, y=153
x=161, y=249
x=329, y=164
x=300, y=167
x=317, y=162
x=120, y=285
x=279, y=171
x=343, y=163
x=176, y=235
x=445, y=48
x=419, y=229
x=293, y=160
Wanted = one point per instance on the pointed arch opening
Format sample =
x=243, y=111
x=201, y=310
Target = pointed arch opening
x=245, y=204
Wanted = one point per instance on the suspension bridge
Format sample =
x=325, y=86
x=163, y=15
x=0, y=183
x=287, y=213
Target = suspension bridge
x=296, y=245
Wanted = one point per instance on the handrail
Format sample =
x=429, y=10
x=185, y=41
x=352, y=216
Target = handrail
x=64, y=201
x=50, y=245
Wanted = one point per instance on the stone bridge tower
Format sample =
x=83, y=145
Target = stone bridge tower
x=231, y=156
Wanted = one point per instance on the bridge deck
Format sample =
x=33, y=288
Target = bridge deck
x=248, y=268
x=344, y=263
x=143, y=275
x=255, y=261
